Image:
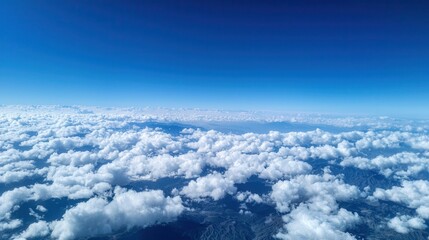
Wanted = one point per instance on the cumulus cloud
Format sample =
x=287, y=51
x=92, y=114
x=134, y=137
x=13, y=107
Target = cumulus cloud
x=281, y=168
x=128, y=209
x=213, y=185
x=10, y=200
x=10, y=225
x=17, y=171
x=311, y=204
x=318, y=219
x=249, y=197
x=413, y=194
x=401, y=165
x=403, y=224
x=41, y=208
x=38, y=229
x=304, y=187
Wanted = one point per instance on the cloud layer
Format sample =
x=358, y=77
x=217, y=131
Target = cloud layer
x=95, y=158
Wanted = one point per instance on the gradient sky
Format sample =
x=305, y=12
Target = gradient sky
x=345, y=56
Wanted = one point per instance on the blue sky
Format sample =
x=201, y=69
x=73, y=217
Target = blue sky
x=352, y=57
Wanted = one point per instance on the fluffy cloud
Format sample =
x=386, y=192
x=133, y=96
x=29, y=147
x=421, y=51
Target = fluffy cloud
x=313, y=213
x=10, y=225
x=281, y=168
x=10, y=200
x=38, y=229
x=16, y=171
x=318, y=219
x=305, y=187
x=401, y=165
x=213, y=185
x=413, y=194
x=249, y=197
x=41, y=208
x=403, y=224
x=127, y=209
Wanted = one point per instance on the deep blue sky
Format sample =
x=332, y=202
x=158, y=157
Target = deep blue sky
x=354, y=57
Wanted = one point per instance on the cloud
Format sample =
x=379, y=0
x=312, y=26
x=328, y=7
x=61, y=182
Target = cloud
x=310, y=204
x=403, y=224
x=305, y=187
x=249, y=197
x=400, y=165
x=193, y=115
x=128, y=209
x=413, y=194
x=10, y=225
x=41, y=208
x=17, y=171
x=10, y=200
x=213, y=185
x=281, y=168
x=318, y=219
x=84, y=153
x=38, y=229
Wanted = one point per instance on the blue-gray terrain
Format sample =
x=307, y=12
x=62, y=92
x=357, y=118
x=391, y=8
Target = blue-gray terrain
x=99, y=173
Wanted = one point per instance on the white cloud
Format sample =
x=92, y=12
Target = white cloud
x=305, y=187
x=38, y=229
x=41, y=208
x=249, y=197
x=10, y=199
x=319, y=219
x=73, y=158
x=413, y=194
x=192, y=115
x=401, y=165
x=280, y=168
x=312, y=211
x=16, y=171
x=10, y=225
x=213, y=185
x=128, y=209
x=403, y=224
